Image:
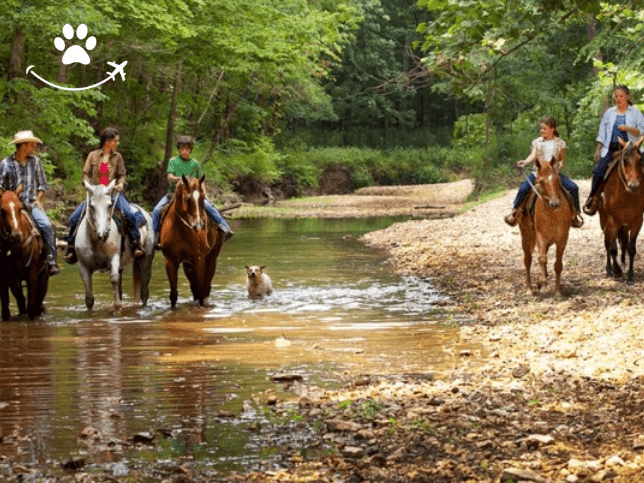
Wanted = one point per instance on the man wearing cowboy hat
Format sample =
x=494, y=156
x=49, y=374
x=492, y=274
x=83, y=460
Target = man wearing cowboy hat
x=23, y=168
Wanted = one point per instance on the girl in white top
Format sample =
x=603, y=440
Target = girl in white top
x=549, y=145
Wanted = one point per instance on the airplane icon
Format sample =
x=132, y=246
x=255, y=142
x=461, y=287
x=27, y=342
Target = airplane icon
x=118, y=69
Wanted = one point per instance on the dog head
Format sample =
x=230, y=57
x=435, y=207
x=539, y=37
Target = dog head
x=254, y=271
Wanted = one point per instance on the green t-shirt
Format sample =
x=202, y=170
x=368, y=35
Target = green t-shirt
x=178, y=166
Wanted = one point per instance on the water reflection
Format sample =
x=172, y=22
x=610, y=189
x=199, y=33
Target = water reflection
x=78, y=383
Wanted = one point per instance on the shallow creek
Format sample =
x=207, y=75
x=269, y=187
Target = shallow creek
x=79, y=384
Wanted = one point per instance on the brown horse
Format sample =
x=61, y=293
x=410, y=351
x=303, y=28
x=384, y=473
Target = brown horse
x=23, y=257
x=187, y=236
x=622, y=206
x=549, y=224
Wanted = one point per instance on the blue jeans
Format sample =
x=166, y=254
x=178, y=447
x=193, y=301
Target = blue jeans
x=567, y=183
x=46, y=228
x=134, y=219
x=212, y=212
x=600, y=170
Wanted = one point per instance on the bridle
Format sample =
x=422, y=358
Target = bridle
x=620, y=165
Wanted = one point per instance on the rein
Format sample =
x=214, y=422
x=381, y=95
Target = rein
x=534, y=188
x=622, y=171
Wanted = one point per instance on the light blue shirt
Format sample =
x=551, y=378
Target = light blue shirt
x=634, y=118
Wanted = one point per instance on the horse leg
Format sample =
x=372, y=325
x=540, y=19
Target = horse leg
x=561, y=246
x=4, y=300
x=171, y=269
x=32, y=293
x=527, y=242
x=136, y=281
x=543, y=263
x=43, y=284
x=115, y=278
x=632, y=247
x=610, y=242
x=16, y=290
x=86, y=277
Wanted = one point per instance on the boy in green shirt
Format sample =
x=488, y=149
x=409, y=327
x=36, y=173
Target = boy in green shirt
x=183, y=164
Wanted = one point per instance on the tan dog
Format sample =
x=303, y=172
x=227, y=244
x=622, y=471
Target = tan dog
x=258, y=283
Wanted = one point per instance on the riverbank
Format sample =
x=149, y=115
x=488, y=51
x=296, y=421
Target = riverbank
x=559, y=398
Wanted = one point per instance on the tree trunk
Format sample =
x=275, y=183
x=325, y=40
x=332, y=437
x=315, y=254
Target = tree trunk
x=15, y=60
x=479, y=183
x=172, y=116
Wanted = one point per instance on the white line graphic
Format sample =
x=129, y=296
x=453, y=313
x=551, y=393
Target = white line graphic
x=118, y=69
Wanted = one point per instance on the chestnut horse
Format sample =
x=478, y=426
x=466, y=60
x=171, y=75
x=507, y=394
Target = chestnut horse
x=549, y=225
x=23, y=257
x=188, y=236
x=622, y=206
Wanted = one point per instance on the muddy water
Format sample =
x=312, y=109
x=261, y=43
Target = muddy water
x=75, y=384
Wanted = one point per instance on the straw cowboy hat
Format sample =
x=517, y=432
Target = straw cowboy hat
x=25, y=137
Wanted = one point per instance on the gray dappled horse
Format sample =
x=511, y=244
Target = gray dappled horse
x=100, y=246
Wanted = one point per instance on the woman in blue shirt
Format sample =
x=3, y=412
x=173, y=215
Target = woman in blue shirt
x=621, y=121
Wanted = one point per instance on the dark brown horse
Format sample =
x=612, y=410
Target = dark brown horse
x=187, y=236
x=622, y=206
x=23, y=257
x=548, y=225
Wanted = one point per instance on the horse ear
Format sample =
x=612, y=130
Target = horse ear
x=553, y=161
x=202, y=179
x=185, y=180
x=19, y=189
x=621, y=142
x=88, y=187
x=537, y=163
x=110, y=186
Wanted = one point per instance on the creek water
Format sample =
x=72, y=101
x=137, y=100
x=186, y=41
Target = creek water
x=80, y=384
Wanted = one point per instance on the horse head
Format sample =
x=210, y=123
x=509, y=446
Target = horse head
x=630, y=164
x=11, y=217
x=548, y=182
x=190, y=196
x=99, y=202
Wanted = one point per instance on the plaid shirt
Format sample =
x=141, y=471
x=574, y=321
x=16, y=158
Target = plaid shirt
x=31, y=176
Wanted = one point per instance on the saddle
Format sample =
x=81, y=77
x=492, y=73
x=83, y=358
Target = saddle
x=164, y=211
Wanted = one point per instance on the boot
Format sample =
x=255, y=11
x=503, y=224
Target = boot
x=52, y=266
x=137, y=251
x=592, y=204
x=577, y=220
x=70, y=254
x=511, y=219
x=226, y=232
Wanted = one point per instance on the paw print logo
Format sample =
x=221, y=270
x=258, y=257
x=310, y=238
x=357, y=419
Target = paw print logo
x=75, y=53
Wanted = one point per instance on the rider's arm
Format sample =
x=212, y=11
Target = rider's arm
x=120, y=173
x=173, y=179
x=529, y=160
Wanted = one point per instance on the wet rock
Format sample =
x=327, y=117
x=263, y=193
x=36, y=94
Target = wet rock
x=73, y=464
x=143, y=438
x=436, y=401
x=91, y=434
x=519, y=474
x=119, y=470
x=287, y=378
x=465, y=353
x=305, y=402
x=572, y=479
x=226, y=414
x=272, y=400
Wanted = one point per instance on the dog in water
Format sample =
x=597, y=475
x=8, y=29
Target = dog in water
x=258, y=283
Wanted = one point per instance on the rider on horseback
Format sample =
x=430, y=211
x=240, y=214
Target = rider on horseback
x=23, y=168
x=103, y=165
x=621, y=121
x=183, y=164
x=544, y=148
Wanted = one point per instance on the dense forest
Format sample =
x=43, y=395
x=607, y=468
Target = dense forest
x=277, y=91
